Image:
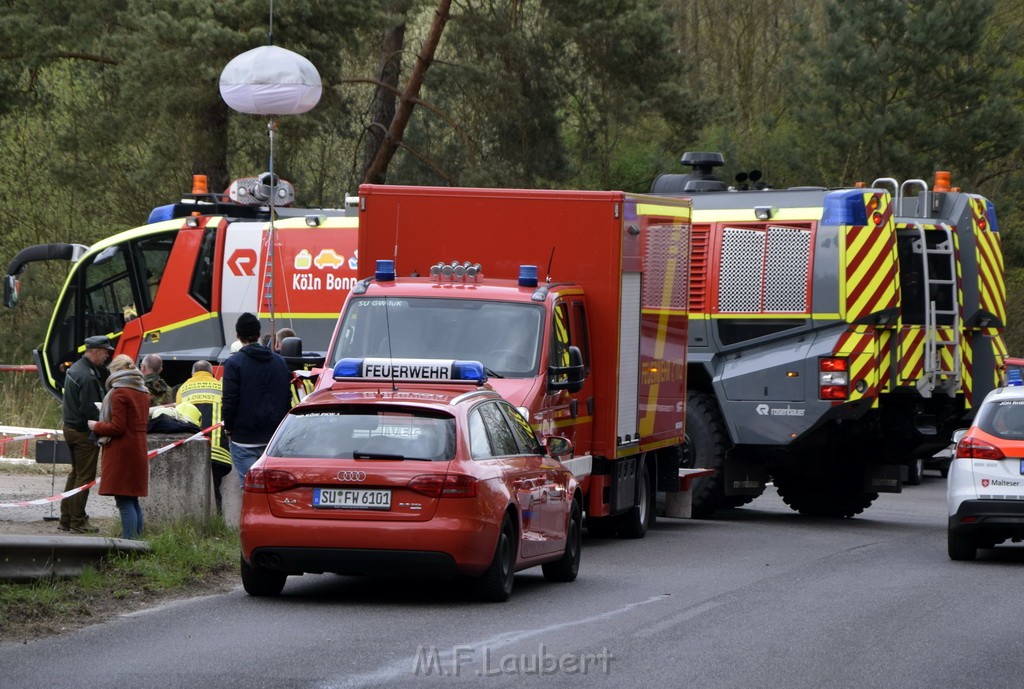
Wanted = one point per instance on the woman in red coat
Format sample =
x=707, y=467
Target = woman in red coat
x=124, y=417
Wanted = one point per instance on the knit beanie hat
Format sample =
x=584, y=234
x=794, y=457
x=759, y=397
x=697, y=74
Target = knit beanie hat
x=247, y=327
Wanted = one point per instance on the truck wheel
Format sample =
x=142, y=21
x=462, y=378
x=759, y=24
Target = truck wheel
x=495, y=586
x=833, y=492
x=960, y=547
x=637, y=519
x=705, y=448
x=568, y=566
x=258, y=581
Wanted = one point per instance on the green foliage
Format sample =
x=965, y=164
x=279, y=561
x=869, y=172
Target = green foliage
x=911, y=87
x=24, y=402
x=108, y=108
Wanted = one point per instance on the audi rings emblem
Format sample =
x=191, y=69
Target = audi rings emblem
x=351, y=475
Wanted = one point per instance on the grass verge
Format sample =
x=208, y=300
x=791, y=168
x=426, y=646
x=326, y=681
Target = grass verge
x=186, y=559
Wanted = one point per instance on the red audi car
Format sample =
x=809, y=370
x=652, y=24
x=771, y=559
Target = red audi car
x=409, y=467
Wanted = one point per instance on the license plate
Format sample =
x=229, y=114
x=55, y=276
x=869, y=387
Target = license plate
x=352, y=498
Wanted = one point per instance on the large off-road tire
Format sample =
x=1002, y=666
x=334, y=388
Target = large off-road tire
x=634, y=522
x=259, y=581
x=824, y=491
x=706, y=445
x=960, y=547
x=495, y=585
x=568, y=566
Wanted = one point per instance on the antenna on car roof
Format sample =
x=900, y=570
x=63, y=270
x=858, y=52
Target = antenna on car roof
x=551, y=261
x=387, y=314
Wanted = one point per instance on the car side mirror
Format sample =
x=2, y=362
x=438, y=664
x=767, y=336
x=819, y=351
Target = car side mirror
x=11, y=289
x=291, y=350
x=567, y=377
x=557, y=446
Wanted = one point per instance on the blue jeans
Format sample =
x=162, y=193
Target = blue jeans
x=242, y=458
x=131, y=515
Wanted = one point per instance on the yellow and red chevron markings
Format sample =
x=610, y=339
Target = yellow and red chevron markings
x=870, y=261
x=992, y=287
x=859, y=346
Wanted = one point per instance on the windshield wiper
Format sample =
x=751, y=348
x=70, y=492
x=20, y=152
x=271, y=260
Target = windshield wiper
x=375, y=455
x=492, y=374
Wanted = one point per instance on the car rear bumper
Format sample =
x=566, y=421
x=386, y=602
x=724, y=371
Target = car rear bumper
x=354, y=561
x=440, y=547
x=999, y=519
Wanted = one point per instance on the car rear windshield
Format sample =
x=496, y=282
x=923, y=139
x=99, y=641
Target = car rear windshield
x=366, y=432
x=1002, y=418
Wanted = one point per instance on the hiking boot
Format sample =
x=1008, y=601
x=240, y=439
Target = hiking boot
x=63, y=527
x=85, y=528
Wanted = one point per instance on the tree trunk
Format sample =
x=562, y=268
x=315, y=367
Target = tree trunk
x=212, y=161
x=378, y=167
x=382, y=107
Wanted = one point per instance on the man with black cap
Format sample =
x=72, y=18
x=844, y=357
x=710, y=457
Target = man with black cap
x=256, y=395
x=83, y=393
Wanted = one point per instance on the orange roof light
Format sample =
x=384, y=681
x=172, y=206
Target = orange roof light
x=199, y=184
x=941, y=180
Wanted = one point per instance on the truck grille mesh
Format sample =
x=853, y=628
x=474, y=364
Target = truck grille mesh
x=764, y=271
x=742, y=271
x=785, y=282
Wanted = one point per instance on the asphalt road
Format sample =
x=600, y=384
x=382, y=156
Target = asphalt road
x=760, y=598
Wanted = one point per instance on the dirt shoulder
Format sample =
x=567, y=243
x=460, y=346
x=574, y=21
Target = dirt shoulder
x=91, y=606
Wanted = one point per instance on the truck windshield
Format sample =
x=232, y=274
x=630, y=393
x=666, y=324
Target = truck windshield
x=504, y=336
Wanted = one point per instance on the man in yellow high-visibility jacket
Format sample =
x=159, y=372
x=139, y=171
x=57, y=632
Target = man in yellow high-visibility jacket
x=205, y=392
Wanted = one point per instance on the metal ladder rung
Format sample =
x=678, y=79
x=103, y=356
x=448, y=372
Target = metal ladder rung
x=935, y=281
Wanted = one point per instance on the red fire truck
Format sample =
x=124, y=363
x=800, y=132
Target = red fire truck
x=176, y=285
x=575, y=302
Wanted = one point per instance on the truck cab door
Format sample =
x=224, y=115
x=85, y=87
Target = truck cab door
x=569, y=410
x=176, y=276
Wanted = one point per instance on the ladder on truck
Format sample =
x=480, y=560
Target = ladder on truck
x=936, y=374
x=942, y=349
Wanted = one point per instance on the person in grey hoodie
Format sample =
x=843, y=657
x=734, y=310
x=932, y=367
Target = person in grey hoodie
x=256, y=395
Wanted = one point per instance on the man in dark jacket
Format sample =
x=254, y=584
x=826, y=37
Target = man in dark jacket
x=83, y=392
x=256, y=395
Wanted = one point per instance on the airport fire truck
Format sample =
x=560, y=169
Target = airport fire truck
x=575, y=302
x=837, y=337
x=176, y=285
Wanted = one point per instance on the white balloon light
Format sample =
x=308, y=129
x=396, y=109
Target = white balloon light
x=270, y=81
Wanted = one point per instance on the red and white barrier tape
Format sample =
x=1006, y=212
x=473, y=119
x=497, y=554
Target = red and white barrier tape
x=150, y=456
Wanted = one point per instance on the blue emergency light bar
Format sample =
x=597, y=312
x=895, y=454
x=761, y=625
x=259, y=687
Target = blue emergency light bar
x=409, y=369
x=845, y=208
x=527, y=276
x=1014, y=378
x=385, y=270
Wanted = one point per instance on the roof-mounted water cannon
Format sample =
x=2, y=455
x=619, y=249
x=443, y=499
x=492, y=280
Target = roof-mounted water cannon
x=455, y=271
x=701, y=178
x=261, y=190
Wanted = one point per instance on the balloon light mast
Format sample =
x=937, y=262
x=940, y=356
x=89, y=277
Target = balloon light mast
x=270, y=81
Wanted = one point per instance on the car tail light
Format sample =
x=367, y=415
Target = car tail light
x=972, y=448
x=833, y=378
x=442, y=486
x=268, y=481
